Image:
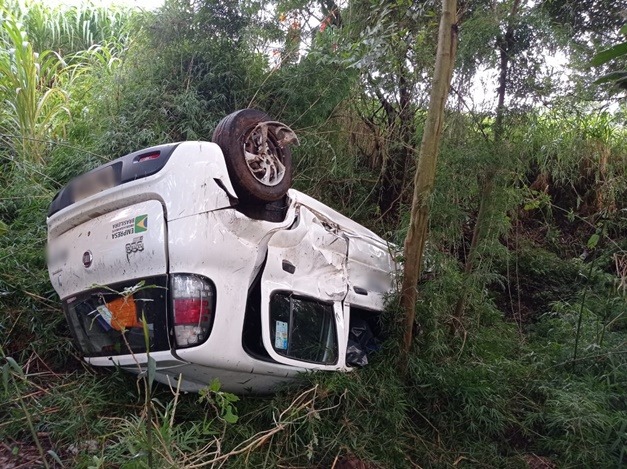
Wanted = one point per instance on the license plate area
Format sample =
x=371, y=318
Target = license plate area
x=96, y=181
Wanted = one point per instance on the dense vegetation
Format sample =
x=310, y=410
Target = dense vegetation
x=521, y=353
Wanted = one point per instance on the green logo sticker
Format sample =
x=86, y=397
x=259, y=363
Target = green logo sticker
x=141, y=223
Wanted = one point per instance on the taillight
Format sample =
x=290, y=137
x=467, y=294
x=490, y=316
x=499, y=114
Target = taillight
x=147, y=157
x=192, y=300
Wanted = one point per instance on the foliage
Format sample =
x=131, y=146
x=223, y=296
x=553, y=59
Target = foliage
x=619, y=78
x=533, y=374
x=34, y=104
x=72, y=28
x=602, y=18
x=187, y=91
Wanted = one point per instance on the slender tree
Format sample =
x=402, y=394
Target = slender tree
x=425, y=173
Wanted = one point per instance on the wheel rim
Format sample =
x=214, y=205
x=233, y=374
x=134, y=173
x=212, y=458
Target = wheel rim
x=264, y=156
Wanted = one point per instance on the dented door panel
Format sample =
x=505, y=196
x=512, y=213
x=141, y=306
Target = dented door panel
x=309, y=261
x=371, y=271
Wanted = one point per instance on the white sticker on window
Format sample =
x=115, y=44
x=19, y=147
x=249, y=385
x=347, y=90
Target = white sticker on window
x=280, y=335
x=104, y=317
x=105, y=313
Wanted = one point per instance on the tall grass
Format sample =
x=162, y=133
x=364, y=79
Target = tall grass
x=67, y=29
x=35, y=105
x=536, y=372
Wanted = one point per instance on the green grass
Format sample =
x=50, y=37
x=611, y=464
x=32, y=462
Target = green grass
x=497, y=393
x=503, y=398
x=536, y=371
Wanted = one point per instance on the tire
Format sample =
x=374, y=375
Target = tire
x=259, y=173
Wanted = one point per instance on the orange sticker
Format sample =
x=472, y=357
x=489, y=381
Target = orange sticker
x=123, y=313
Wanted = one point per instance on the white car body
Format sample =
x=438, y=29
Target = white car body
x=190, y=224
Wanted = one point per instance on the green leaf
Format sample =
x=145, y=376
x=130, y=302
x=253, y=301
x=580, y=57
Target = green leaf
x=13, y=364
x=611, y=77
x=532, y=205
x=609, y=54
x=593, y=241
x=5, y=377
x=56, y=457
x=229, y=416
x=152, y=371
x=230, y=397
x=215, y=385
x=146, y=332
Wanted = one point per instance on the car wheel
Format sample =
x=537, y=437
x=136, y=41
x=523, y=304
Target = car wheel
x=257, y=154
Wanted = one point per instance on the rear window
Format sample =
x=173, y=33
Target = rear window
x=131, y=167
x=303, y=329
x=107, y=320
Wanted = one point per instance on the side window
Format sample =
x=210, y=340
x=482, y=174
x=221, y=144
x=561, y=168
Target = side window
x=303, y=329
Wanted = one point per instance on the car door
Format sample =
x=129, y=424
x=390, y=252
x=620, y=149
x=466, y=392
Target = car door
x=303, y=285
x=371, y=272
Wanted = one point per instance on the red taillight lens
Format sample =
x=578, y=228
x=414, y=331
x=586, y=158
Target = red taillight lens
x=193, y=300
x=190, y=311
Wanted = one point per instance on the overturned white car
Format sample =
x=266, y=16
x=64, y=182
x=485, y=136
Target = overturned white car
x=237, y=276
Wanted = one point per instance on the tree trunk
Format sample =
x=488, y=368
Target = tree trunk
x=425, y=171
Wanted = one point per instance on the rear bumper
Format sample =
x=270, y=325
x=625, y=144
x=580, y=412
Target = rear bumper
x=196, y=377
x=261, y=379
